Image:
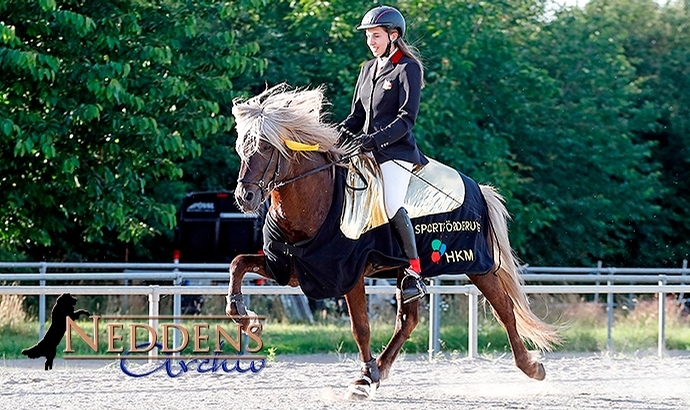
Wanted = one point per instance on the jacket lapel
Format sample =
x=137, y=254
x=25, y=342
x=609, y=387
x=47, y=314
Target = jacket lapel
x=390, y=65
x=372, y=72
x=386, y=69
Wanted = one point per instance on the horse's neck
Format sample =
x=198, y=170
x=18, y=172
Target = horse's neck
x=300, y=208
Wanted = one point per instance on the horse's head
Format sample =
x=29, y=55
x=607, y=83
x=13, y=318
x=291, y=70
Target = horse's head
x=274, y=130
x=258, y=176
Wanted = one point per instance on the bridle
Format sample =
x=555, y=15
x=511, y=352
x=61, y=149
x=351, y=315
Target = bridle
x=273, y=183
x=266, y=187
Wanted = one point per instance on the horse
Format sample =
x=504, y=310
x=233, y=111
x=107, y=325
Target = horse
x=289, y=154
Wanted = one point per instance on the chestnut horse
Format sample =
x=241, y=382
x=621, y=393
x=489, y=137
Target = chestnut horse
x=288, y=153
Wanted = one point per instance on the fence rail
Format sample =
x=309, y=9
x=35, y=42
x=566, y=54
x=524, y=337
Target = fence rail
x=661, y=281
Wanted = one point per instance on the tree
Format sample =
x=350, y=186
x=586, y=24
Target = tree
x=656, y=41
x=544, y=110
x=111, y=111
x=585, y=163
x=102, y=101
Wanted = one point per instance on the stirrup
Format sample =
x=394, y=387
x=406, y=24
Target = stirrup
x=412, y=287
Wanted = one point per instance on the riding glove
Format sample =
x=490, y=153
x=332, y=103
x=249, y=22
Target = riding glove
x=344, y=135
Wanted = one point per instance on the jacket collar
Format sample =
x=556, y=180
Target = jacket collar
x=395, y=58
x=390, y=65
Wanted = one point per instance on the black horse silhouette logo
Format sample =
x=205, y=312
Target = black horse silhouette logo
x=47, y=346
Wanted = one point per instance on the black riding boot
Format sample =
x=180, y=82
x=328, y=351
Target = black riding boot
x=412, y=286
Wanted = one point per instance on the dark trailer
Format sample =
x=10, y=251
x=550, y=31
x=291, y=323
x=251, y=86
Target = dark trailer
x=211, y=229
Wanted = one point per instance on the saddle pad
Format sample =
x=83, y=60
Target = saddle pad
x=435, y=188
x=330, y=264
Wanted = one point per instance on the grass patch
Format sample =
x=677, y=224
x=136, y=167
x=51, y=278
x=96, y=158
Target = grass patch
x=584, y=330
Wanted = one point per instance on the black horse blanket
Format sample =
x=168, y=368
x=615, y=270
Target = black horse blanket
x=329, y=264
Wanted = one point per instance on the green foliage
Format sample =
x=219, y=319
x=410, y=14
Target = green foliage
x=584, y=163
x=657, y=43
x=311, y=43
x=103, y=101
x=111, y=111
x=479, y=86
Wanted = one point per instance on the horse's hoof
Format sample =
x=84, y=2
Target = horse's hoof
x=361, y=389
x=365, y=387
x=252, y=324
x=541, y=372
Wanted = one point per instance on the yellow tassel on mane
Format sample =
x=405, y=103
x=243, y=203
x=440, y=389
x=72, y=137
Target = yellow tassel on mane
x=298, y=146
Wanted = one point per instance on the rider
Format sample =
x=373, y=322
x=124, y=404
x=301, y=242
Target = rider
x=384, y=108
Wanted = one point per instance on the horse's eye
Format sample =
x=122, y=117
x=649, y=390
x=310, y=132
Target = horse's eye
x=264, y=146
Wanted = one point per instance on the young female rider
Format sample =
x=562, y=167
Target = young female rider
x=384, y=108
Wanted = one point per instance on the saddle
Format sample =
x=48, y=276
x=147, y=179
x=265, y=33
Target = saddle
x=433, y=189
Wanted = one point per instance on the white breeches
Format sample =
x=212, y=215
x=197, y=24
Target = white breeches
x=396, y=177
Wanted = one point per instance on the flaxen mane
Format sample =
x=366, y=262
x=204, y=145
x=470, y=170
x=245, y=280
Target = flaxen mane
x=279, y=114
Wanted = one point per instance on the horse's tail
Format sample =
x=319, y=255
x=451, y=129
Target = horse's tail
x=529, y=326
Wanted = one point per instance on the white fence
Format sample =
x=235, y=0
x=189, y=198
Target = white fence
x=601, y=280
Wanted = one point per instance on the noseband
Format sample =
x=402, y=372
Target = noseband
x=266, y=187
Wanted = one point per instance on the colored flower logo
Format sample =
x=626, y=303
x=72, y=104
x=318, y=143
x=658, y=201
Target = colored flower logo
x=387, y=85
x=439, y=248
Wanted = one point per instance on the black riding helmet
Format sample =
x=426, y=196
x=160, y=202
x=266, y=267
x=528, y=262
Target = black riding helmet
x=385, y=16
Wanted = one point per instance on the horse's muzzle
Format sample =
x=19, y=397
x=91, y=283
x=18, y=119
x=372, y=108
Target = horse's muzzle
x=248, y=198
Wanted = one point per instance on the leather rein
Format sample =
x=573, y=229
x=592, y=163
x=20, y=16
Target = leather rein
x=273, y=183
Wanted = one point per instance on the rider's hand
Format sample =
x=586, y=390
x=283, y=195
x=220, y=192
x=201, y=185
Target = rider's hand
x=345, y=136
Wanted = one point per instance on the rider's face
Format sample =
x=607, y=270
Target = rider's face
x=377, y=40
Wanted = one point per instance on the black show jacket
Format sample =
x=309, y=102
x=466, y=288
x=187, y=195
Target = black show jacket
x=385, y=105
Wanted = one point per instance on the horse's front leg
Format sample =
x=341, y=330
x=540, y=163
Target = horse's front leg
x=405, y=322
x=235, y=306
x=368, y=381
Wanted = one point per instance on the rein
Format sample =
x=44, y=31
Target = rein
x=313, y=171
x=272, y=184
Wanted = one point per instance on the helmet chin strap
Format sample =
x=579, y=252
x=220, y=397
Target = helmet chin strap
x=388, y=47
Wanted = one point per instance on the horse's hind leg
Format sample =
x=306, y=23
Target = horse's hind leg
x=359, y=318
x=493, y=291
x=405, y=322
